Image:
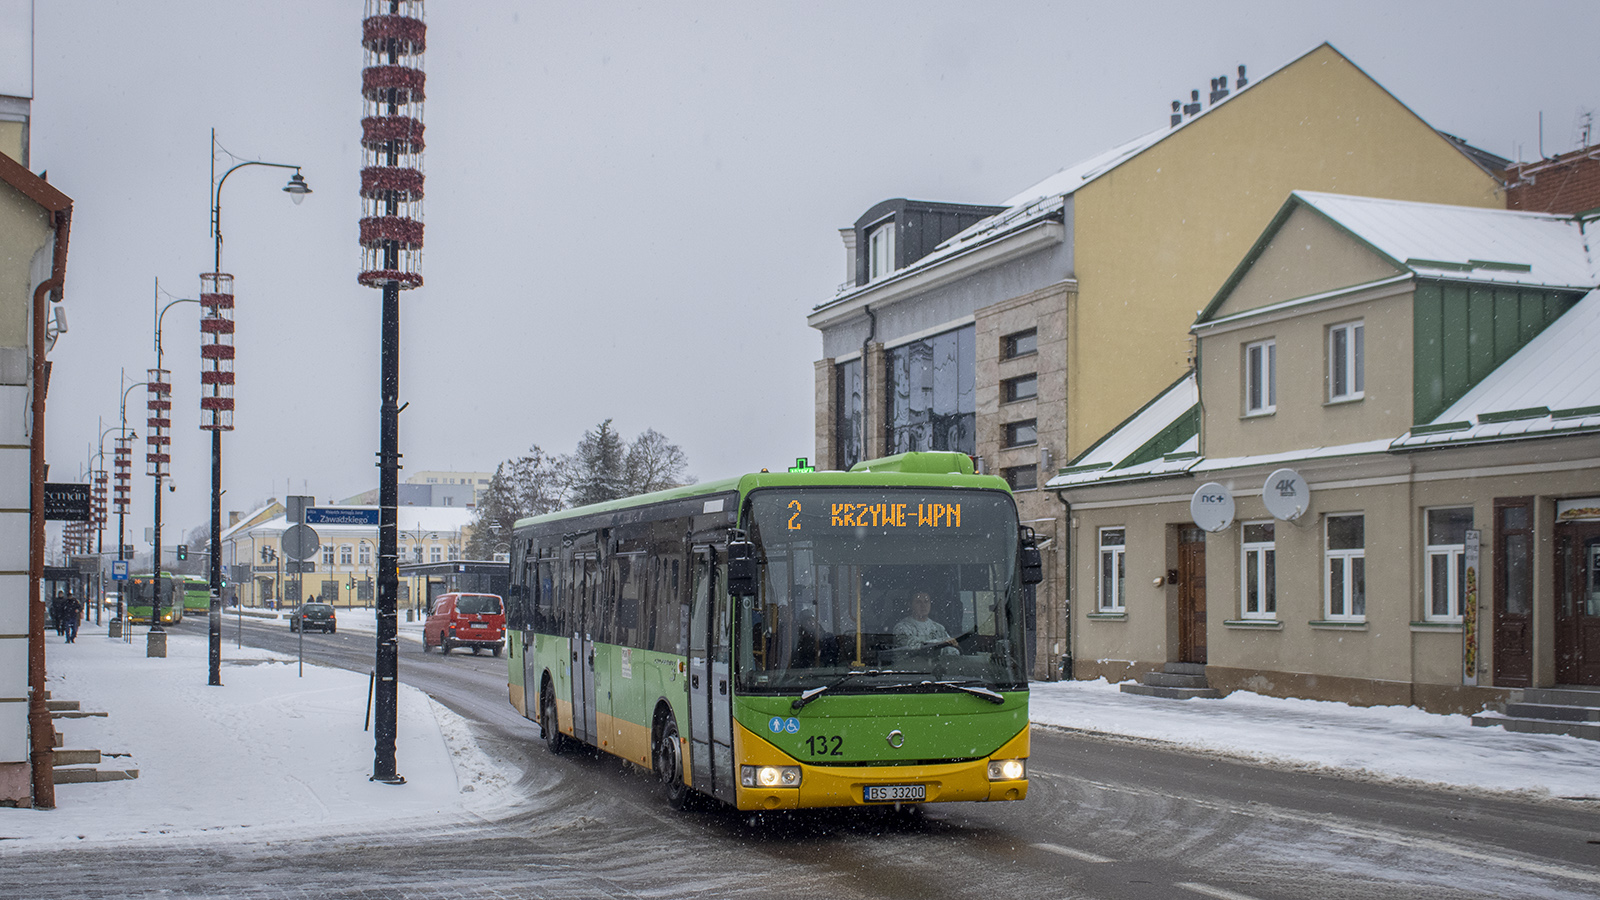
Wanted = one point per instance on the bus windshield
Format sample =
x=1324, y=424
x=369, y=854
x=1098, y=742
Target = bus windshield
x=863, y=589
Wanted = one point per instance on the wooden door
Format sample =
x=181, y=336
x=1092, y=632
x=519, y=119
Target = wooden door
x=1577, y=584
x=1191, y=595
x=1513, y=594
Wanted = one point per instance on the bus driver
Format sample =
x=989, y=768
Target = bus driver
x=918, y=632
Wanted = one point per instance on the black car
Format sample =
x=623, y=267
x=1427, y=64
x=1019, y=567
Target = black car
x=317, y=616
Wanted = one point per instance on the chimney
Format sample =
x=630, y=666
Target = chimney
x=1192, y=108
x=1219, y=89
x=1239, y=85
x=1177, y=115
x=233, y=517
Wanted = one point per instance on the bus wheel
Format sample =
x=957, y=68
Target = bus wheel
x=554, y=740
x=669, y=766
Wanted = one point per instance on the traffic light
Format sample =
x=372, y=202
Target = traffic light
x=183, y=552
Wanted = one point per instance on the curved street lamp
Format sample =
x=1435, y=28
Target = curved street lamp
x=218, y=381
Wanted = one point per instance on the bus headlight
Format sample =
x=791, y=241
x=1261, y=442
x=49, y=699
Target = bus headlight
x=769, y=776
x=1007, y=769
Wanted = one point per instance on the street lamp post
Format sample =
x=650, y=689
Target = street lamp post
x=123, y=464
x=159, y=461
x=217, y=376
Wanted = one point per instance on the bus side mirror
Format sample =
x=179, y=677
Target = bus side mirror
x=743, y=570
x=1029, y=560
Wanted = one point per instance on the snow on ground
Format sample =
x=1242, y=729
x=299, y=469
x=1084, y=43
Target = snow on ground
x=269, y=750
x=275, y=750
x=1399, y=742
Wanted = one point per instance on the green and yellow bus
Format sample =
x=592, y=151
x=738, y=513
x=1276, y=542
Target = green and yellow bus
x=196, y=596
x=756, y=640
x=140, y=594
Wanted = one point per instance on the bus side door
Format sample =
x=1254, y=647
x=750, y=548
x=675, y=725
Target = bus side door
x=710, y=719
x=585, y=624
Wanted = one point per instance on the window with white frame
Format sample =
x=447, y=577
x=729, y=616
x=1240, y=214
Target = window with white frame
x=455, y=552
x=1112, y=548
x=366, y=554
x=327, y=554
x=1259, y=567
x=434, y=554
x=1346, y=355
x=1260, y=378
x=347, y=555
x=1345, y=568
x=1446, y=586
x=880, y=249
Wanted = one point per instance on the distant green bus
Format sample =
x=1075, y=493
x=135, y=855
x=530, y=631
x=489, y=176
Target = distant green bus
x=196, y=595
x=784, y=640
x=141, y=594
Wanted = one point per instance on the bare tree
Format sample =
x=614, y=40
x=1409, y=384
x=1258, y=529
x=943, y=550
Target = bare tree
x=653, y=463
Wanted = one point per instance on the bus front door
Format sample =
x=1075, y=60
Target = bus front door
x=710, y=720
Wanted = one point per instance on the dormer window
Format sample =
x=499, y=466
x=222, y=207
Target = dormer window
x=880, y=249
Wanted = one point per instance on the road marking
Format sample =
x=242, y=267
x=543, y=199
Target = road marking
x=1210, y=891
x=1083, y=855
x=1362, y=832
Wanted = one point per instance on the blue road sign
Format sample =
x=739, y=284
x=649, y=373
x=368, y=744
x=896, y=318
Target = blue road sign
x=119, y=570
x=341, y=515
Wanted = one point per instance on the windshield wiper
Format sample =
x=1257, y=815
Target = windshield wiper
x=810, y=694
x=985, y=693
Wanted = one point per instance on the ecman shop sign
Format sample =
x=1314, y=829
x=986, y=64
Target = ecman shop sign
x=66, y=502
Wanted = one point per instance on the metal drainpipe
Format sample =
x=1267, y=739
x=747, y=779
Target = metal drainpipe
x=41, y=729
x=1066, y=579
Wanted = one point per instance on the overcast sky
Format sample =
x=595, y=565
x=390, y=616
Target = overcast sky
x=630, y=207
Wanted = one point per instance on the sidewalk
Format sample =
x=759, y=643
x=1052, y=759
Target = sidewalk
x=267, y=754
x=1388, y=742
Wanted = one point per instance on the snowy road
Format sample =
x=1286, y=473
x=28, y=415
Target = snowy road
x=1106, y=818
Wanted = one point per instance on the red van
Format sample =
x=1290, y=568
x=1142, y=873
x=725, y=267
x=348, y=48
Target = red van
x=465, y=620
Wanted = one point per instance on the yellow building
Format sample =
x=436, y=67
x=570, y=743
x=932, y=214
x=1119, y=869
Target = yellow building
x=344, y=569
x=1022, y=333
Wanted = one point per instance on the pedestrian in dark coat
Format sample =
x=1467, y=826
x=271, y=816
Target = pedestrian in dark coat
x=58, y=609
x=74, y=614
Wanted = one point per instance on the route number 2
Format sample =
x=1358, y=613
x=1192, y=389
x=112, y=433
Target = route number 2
x=794, y=517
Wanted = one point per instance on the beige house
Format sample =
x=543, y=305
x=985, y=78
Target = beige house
x=1022, y=333
x=344, y=570
x=1382, y=482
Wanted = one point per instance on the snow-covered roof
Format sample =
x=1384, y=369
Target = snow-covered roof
x=1551, y=385
x=1466, y=242
x=1110, y=457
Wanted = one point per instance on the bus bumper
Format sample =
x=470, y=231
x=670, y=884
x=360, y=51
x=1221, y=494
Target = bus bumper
x=836, y=786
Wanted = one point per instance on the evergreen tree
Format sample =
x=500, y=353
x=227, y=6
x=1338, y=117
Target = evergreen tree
x=595, y=470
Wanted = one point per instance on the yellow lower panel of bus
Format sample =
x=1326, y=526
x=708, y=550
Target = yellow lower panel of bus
x=519, y=700
x=846, y=785
x=623, y=738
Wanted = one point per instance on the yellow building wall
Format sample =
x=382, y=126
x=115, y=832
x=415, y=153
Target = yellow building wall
x=24, y=231
x=1156, y=237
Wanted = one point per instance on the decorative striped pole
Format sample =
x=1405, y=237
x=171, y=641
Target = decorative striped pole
x=394, y=38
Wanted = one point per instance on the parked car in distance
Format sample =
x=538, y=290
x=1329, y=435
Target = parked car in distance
x=318, y=616
x=465, y=620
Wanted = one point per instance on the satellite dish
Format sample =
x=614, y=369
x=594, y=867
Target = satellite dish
x=1286, y=495
x=1211, y=507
